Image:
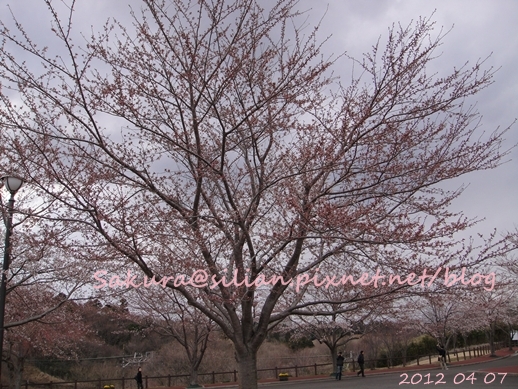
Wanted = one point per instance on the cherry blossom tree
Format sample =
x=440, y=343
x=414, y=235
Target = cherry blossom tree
x=174, y=318
x=42, y=281
x=58, y=333
x=396, y=336
x=495, y=306
x=442, y=314
x=510, y=265
x=346, y=314
x=372, y=344
x=511, y=320
x=335, y=332
x=447, y=311
x=212, y=139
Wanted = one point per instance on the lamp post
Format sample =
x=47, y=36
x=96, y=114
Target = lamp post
x=13, y=184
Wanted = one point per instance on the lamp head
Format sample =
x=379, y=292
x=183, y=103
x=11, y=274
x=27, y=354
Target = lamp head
x=12, y=183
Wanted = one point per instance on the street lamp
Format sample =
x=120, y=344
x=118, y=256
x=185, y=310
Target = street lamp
x=13, y=184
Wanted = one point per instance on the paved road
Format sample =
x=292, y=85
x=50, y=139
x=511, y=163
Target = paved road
x=456, y=377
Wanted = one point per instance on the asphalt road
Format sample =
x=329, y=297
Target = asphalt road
x=456, y=377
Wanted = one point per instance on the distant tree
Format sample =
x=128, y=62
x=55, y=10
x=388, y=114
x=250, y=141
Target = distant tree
x=332, y=332
x=495, y=306
x=396, y=339
x=213, y=136
x=45, y=276
x=57, y=334
x=342, y=318
x=442, y=314
x=174, y=318
x=511, y=318
x=372, y=344
x=446, y=311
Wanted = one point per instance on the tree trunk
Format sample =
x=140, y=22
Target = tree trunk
x=12, y=363
x=193, y=377
x=511, y=333
x=334, y=354
x=247, y=365
x=19, y=371
x=15, y=367
x=492, y=339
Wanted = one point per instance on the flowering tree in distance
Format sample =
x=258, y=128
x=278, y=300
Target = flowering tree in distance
x=495, y=307
x=176, y=319
x=332, y=332
x=58, y=333
x=44, y=278
x=442, y=314
x=211, y=136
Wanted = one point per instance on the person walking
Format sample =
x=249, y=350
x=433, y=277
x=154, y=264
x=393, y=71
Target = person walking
x=361, y=363
x=442, y=356
x=138, y=378
x=339, y=366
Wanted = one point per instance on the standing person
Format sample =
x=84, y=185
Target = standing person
x=442, y=356
x=339, y=366
x=138, y=378
x=361, y=363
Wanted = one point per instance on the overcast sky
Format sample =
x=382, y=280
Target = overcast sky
x=480, y=28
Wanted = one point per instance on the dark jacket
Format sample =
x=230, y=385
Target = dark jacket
x=361, y=359
x=138, y=377
x=442, y=352
x=340, y=360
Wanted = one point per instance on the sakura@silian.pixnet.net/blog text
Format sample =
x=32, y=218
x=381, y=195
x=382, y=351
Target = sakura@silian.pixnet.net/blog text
x=202, y=279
